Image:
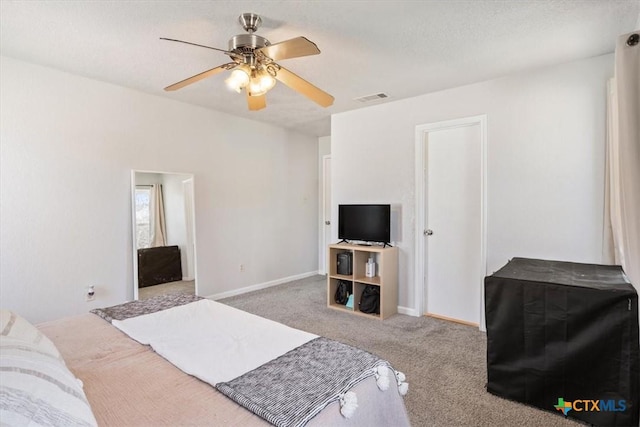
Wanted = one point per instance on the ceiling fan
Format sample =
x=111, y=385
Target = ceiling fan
x=254, y=68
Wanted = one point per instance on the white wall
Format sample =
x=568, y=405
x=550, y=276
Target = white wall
x=67, y=148
x=148, y=178
x=324, y=147
x=176, y=222
x=545, y=175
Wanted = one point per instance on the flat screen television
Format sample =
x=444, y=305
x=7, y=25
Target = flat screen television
x=369, y=223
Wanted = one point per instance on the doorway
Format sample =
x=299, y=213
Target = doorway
x=325, y=227
x=451, y=220
x=164, y=257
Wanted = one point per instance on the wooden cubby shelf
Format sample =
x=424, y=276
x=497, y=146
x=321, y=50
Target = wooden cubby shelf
x=386, y=277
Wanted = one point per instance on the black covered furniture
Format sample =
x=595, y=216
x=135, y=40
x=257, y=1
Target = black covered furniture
x=561, y=330
x=159, y=265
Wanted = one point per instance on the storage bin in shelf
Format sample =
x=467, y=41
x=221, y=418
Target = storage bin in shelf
x=386, y=277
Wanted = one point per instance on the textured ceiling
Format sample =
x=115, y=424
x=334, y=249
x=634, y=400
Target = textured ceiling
x=401, y=48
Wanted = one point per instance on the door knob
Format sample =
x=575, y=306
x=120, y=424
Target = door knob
x=428, y=232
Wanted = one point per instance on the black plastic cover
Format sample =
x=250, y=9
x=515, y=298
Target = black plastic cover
x=159, y=265
x=562, y=330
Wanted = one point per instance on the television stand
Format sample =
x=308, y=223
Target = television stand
x=386, y=278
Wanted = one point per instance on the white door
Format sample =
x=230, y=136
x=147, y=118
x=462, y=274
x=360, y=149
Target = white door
x=326, y=210
x=453, y=223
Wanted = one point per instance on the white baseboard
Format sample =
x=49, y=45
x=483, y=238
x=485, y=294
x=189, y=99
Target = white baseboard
x=401, y=310
x=408, y=311
x=261, y=286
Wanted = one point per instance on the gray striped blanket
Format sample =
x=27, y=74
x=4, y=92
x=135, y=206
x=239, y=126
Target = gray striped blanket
x=292, y=389
x=144, y=306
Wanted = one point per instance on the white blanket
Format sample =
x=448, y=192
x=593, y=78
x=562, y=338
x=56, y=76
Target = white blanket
x=212, y=341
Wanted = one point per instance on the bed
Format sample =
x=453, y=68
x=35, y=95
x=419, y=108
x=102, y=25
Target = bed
x=128, y=383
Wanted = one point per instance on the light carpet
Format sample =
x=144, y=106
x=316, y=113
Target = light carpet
x=179, y=287
x=445, y=363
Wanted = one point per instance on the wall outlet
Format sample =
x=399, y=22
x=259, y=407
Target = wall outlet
x=90, y=294
x=241, y=267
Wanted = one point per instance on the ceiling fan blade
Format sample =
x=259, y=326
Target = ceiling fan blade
x=231, y=54
x=256, y=102
x=201, y=76
x=194, y=44
x=293, y=48
x=299, y=84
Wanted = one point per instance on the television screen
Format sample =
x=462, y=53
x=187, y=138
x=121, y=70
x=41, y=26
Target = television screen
x=369, y=223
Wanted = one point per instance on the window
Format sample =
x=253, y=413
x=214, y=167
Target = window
x=143, y=217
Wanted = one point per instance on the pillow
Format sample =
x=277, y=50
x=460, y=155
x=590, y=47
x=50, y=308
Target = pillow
x=36, y=388
x=14, y=326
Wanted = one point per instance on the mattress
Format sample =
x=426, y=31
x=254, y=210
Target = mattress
x=127, y=383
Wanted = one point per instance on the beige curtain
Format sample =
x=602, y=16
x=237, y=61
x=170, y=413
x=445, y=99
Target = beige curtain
x=158, y=226
x=622, y=191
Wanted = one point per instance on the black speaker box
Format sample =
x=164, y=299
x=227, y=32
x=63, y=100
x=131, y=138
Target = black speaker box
x=345, y=264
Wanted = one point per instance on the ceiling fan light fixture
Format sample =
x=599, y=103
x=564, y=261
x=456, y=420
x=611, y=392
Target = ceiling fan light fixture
x=238, y=80
x=266, y=80
x=261, y=82
x=255, y=88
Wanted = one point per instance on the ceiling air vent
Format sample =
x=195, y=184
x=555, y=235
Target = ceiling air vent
x=373, y=97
